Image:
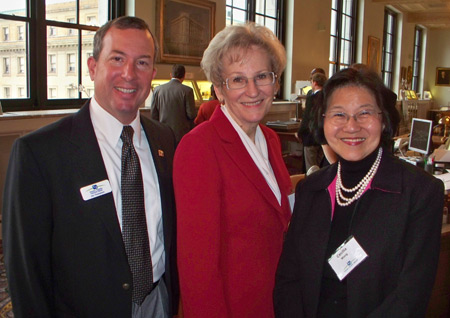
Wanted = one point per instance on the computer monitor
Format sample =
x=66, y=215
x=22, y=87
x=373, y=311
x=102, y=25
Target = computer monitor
x=420, y=136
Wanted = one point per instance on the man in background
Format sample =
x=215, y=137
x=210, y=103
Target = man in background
x=314, y=71
x=173, y=103
x=312, y=151
x=89, y=213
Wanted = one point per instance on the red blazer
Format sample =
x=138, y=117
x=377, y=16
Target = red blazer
x=230, y=225
x=206, y=110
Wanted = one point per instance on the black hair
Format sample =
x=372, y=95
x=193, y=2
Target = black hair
x=368, y=79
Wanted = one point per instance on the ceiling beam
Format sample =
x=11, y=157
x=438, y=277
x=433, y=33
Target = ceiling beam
x=429, y=17
x=393, y=2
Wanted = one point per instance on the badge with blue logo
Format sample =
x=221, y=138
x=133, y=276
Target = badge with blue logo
x=95, y=190
x=346, y=257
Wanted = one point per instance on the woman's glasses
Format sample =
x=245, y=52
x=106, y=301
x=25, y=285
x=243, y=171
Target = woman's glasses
x=340, y=118
x=262, y=79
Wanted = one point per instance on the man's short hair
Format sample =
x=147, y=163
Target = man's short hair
x=178, y=71
x=317, y=70
x=319, y=78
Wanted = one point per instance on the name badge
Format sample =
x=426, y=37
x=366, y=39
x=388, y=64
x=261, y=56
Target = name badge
x=346, y=257
x=95, y=190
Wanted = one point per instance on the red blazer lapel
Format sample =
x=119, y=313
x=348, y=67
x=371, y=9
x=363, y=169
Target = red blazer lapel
x=240, y=156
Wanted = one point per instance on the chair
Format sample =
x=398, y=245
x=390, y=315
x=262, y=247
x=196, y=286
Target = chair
x=295, y=178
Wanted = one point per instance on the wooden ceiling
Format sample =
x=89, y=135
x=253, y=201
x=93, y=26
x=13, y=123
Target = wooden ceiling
x=433, y=14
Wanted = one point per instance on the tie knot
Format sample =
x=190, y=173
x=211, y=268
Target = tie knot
x=127, y=134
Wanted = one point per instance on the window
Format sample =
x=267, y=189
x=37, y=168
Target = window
x=91, y=20
x=5, y=34
x=342, y=39
x=6, y=65
x=52, y=63
x=389, y=35
x=21, y=92
x=264, y=12
x=71, y=31
x=6, y=92
x=20, y=33
x=21, y=65
x=417, y=58
x=52, y=31
x=71, y=61
x=52, y=92
x=55, y=34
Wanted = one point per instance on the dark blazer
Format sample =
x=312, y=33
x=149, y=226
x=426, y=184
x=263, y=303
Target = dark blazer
x=230, y=225
x=173, y=104
x=397, y=222
x=304, y=130
x=65, y=256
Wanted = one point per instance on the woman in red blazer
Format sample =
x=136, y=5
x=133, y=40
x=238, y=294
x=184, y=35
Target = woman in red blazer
x=231, y=184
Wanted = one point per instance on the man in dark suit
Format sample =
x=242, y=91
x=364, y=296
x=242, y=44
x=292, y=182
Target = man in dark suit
x=312, y=151
x=62, y=215
x=173, y=103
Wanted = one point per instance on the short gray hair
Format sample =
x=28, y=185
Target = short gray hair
x=241, y=36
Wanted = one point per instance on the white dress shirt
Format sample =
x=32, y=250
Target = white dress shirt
x=108, y=130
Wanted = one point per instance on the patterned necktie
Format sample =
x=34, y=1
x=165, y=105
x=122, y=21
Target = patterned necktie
x=134, y=225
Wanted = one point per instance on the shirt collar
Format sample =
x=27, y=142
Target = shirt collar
x=110, y=126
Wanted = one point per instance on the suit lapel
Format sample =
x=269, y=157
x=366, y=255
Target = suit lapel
x=91, y=169
x=242, y=159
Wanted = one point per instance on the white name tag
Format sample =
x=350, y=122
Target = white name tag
x=95, y=190
x=346, y=257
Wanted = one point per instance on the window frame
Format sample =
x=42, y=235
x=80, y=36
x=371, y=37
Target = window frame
x=417, y=58
x=250, y=14
x=338, y=64
x=37, y=59
x=387, y=69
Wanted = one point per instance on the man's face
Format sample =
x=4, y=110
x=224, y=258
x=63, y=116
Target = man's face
x=124, y=71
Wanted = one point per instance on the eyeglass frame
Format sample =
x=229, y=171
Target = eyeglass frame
x=354, y=116
x=274, y=77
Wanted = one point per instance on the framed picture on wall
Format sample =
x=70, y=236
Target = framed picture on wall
x=373, y=53
x=185, y=28
x=442, y=76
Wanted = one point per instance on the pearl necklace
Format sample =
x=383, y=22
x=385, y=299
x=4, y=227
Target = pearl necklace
x=360, y=187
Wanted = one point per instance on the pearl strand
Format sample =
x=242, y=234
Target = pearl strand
x=360, y=187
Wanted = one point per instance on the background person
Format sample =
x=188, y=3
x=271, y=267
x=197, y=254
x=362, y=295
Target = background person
x=173, y=103
x=207, y=109
x=231, y=184
x=312, y=151
x=391, y=209
x=64, y=211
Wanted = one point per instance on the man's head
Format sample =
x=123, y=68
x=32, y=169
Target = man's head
x=178, y=71
x=315, y=71
x=122, y=66
x=318, y=80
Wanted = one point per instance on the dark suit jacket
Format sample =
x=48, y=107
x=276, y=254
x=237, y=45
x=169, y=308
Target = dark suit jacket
x=304, y=130
x=65, y=256
x=173, y=104
x=397, y=222
x=230, y=225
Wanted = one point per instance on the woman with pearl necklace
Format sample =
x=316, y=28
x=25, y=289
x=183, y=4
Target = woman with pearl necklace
x=365, y=233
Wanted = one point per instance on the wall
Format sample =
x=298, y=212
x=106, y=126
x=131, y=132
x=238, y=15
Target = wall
x=311, y=38
x=438, y=55
x=309, y=27
x=147, y=10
